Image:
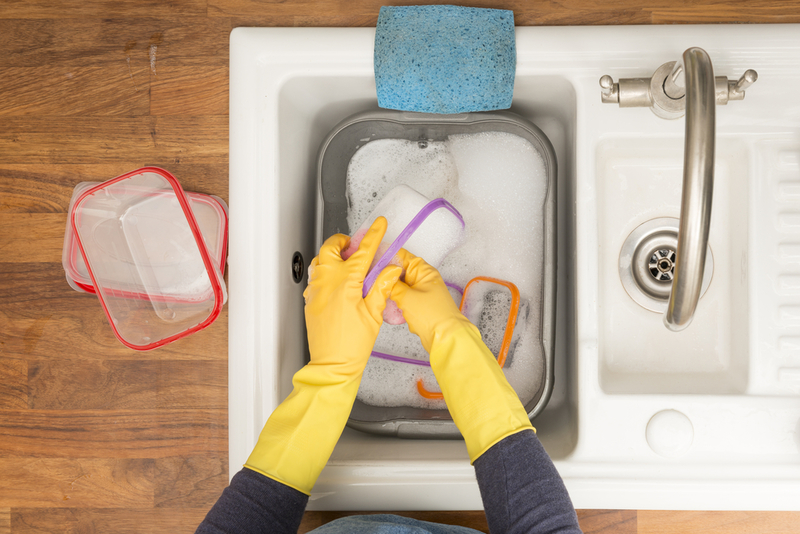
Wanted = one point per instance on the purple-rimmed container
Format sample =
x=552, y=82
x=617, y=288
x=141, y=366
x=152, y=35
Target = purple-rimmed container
x=404, y=236
x=401, y=359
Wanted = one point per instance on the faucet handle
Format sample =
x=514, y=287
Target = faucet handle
x=748, y=78
x=734, y=90
x=609, y=91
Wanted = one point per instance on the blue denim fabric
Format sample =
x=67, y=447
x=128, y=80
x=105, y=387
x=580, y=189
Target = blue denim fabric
x=388, y=524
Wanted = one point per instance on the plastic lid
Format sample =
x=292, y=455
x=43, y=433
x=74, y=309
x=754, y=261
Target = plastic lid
x=147, y=259
x=210, y=212
x=492, y=305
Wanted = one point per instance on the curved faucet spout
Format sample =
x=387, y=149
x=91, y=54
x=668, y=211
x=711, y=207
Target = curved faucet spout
x=685, y=87
x=698, y=186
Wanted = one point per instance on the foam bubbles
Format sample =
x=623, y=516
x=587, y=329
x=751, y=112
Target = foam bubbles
x=397, y=381
x=383, y=164
x=498, y=183
x=489, y=311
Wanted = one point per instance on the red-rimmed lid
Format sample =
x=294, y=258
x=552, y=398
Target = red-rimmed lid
x=147, y=258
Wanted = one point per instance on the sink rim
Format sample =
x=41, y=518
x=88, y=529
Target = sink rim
x=595, y=478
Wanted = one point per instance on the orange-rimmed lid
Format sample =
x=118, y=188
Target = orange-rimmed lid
x=483, y=284
x=475, y=293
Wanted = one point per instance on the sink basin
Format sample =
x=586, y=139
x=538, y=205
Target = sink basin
x=638, y=180
x=639, y=417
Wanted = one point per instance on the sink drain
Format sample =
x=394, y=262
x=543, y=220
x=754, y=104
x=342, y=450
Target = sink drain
x=647, y=263
x=298, y=267
x=662, y=264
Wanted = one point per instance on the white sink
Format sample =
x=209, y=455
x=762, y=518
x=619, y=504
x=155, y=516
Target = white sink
x=637, y=180
x=640, y=417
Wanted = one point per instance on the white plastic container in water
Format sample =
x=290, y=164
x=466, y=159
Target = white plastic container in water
x=427, y=229
x=431, y=233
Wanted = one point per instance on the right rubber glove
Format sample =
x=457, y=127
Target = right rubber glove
x=482, y=403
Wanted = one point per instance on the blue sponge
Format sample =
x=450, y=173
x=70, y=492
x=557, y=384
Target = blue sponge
x=445, y=59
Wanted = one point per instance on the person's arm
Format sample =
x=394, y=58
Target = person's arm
x=299, y=436
x=255, y=503
x=485, y=407
x=521, y=490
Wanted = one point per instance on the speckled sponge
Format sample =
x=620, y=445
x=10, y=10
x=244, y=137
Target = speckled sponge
x=445, y=59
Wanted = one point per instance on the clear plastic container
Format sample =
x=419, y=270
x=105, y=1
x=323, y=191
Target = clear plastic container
x=429, y=229
x=147, y=259
x=493, y=306
x=210, y=211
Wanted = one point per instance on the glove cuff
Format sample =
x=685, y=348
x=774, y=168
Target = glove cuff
x=300, y=435
x=482, y=403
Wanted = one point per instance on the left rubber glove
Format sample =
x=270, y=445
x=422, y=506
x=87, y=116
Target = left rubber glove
x=300, y=435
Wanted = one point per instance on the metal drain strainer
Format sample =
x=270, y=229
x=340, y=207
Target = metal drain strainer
x=647, y=263
x=662, y=264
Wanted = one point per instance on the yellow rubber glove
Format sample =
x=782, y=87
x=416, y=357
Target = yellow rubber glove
x=482, y=403
x=301, y=433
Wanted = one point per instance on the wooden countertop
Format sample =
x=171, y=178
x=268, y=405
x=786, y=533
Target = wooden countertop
x=99, y=438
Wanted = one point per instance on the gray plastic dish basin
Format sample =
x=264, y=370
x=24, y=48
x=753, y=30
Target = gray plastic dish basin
x=334, y=157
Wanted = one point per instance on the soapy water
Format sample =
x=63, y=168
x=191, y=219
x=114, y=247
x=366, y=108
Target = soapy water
x=498, y=182
x=493, y=319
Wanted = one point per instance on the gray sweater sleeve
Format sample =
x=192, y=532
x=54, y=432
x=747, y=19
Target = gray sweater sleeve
x=522, y=493
x=521, y=490
x=255, y=503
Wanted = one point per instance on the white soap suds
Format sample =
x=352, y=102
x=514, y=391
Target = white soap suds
x=498, y=182
x=488, y=305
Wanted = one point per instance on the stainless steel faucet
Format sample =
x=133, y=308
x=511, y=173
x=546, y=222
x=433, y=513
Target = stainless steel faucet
x=676, y=87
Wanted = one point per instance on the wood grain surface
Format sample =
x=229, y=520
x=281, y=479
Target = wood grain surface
x=95, y=437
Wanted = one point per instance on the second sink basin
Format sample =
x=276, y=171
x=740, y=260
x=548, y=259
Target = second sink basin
x=639, y=180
